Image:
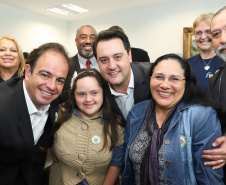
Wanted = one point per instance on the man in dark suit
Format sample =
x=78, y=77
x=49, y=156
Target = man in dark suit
x=217, y=89
x=28, y=116
x=85, y=36
x=217, y=84
x=129, y=83
x=138, y=54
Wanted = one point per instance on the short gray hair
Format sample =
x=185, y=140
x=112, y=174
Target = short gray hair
x=82, y=27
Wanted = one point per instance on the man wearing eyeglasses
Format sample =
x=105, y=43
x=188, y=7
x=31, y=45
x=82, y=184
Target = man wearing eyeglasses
x=217, y=87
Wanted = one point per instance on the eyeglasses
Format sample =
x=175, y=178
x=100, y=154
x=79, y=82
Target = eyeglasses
x=173, y=79
x=199, y=33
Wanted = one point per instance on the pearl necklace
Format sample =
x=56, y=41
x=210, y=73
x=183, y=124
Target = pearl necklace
x=207, y=67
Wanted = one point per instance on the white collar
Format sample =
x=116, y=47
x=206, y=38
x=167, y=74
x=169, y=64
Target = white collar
x=130, y=86
x=83, y=60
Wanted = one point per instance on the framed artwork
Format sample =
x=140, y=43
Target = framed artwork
x=189, y=47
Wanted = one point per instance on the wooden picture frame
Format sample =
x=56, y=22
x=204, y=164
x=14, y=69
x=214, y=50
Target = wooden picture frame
x=189, y=47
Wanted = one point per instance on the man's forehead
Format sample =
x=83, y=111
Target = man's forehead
x=108, y=47
x=52, y=58
x=219, y=18
x=86, y=30
x=112, y=43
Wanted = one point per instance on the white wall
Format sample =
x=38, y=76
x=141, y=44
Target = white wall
x=30, y=29
x=158, y=28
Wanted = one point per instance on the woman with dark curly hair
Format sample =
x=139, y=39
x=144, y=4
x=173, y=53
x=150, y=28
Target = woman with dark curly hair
x=165, y=136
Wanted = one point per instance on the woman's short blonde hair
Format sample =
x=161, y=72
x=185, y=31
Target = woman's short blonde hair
x=20, y=52
x=206, y=18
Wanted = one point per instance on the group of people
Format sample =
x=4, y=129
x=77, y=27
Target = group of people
x=110, y=120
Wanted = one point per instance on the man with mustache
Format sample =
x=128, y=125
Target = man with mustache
x=85, y=36
x=217, y=87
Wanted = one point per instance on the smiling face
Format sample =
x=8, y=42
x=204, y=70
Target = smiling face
x=9, y=56
x=218, y=28
x=84, y=41
x=166, y=94
x=203, y=37
x=47, y=80
x=114, y=63
x=88, y=97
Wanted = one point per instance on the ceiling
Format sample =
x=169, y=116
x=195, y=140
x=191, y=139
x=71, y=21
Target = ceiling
x=95, y=7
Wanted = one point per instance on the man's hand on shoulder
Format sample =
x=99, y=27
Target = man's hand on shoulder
x=217, y=156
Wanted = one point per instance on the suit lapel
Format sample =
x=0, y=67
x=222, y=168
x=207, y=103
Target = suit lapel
x=141, y=89
x=76, y=65
x=25, y=122
x=24, y=117
x=73, y=66
x=113, y=103
x=140, y=85
x=45, y=139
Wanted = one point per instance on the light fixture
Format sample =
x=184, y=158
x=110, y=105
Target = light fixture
x=74, y=8
x=60, y=11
